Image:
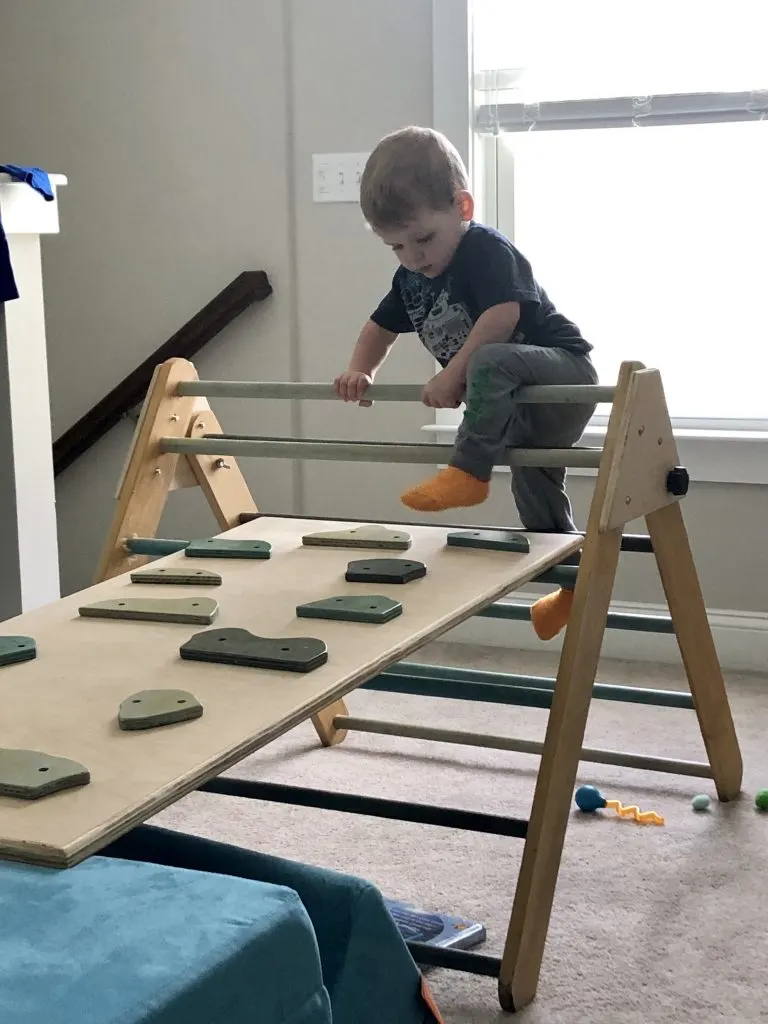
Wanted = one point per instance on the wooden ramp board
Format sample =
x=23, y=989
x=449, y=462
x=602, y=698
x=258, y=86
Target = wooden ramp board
x=65, y=702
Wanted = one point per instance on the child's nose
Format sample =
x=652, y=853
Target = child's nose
x=416, y=257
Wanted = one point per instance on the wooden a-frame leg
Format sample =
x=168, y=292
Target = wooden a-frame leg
x=623, y=475
x=687, y=609
x=540, y=865
x=148, y=472
x=537, y=881
x=220, y=478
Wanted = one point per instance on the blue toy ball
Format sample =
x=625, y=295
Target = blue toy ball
x=589, y=798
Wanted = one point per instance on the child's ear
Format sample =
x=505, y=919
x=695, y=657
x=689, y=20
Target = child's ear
x=466, y=204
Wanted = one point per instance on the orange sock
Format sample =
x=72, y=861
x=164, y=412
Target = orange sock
x=451, y=488
x=549, y=614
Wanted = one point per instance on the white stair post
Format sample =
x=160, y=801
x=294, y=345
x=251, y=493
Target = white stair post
x=29, y=551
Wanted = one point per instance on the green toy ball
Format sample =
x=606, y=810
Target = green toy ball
x=761, y=800
x=700, y=802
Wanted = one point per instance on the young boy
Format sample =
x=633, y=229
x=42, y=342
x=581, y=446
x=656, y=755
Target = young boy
x=472, y=299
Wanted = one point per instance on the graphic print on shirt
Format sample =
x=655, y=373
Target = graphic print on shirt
x=443, y=328
x=415, y=293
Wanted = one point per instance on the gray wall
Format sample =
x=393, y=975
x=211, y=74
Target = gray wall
x=186, y=129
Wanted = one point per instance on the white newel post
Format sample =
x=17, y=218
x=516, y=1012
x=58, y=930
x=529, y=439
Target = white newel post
x=29, y=551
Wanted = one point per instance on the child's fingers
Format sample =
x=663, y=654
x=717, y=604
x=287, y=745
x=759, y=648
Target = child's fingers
x=341, y=386
x=347, y=389
x=360, y=386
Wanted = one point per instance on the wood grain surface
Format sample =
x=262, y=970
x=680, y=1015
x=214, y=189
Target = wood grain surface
x=65, y=702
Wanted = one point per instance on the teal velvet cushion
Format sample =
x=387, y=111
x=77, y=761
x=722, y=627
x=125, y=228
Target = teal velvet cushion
x=115, y=941
x=368, y=970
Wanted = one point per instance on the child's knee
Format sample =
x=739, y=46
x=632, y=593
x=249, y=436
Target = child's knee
x=495, y=353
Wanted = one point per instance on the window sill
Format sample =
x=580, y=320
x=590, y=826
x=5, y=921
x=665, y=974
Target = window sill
x=710, y=456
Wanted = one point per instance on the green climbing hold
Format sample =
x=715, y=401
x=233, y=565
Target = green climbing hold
x=372, y=536
x=202, y=610
x=14, y=649
x=234, y=646
x=384, y=570
x=148, y=709
x=182, y=577
x=30, y=774
x=368, y=608
x=494, y=540
x=221, y=547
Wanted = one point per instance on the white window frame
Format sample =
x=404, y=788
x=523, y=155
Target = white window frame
x=713, y=451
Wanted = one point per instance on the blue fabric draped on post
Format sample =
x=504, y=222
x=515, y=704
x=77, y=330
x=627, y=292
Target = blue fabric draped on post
x=35, y=177
x=8, y=289
x=39, y=180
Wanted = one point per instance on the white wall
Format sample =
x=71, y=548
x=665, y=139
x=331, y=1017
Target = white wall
x=170, y=120
x=367, y=75
x=186, y=129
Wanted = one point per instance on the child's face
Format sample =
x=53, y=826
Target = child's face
x=426, y=244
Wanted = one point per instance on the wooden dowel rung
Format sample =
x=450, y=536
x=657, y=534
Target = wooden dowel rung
x=364, y=451
x=560, y=394
x=487, y=740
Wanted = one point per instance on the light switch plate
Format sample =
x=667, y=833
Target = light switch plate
x=336, y=177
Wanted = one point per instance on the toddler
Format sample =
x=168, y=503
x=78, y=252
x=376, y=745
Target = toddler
x=473, y=301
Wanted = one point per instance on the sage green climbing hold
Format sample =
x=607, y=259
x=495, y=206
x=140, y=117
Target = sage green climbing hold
x=148, y=709
x=201, y=610
x=373, y=536
x=182, y=577
x=30, y=774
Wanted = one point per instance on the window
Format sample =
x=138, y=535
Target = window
x=624, y=149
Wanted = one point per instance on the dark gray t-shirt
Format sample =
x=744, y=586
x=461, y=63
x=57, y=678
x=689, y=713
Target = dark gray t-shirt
x=486, y=270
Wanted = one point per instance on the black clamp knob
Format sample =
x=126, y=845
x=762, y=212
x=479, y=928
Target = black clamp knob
x=678, y=480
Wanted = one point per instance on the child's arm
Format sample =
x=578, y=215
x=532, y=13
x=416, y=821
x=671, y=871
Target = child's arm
x=370, y=351
x=446, y=389
x=494, y=325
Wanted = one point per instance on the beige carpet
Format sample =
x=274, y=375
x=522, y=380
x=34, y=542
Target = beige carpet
x=650, y=924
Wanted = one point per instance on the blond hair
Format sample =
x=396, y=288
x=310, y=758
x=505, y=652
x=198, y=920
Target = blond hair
x=410, y=170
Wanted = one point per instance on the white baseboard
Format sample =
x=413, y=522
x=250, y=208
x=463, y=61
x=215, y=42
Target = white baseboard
x=741, y=638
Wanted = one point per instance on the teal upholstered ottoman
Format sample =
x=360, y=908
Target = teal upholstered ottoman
x=167, y=928
x=114, y=941
x=368, y=971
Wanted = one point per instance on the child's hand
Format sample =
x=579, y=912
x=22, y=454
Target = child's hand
x=351, y=386
x=444, y=391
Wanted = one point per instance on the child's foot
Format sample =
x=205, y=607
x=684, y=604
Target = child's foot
x=551, y=613
x=451, y=488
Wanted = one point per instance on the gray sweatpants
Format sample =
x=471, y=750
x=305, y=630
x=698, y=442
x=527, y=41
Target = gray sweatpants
x=493, y=420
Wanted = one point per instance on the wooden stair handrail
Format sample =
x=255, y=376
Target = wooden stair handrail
x=248, y=287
